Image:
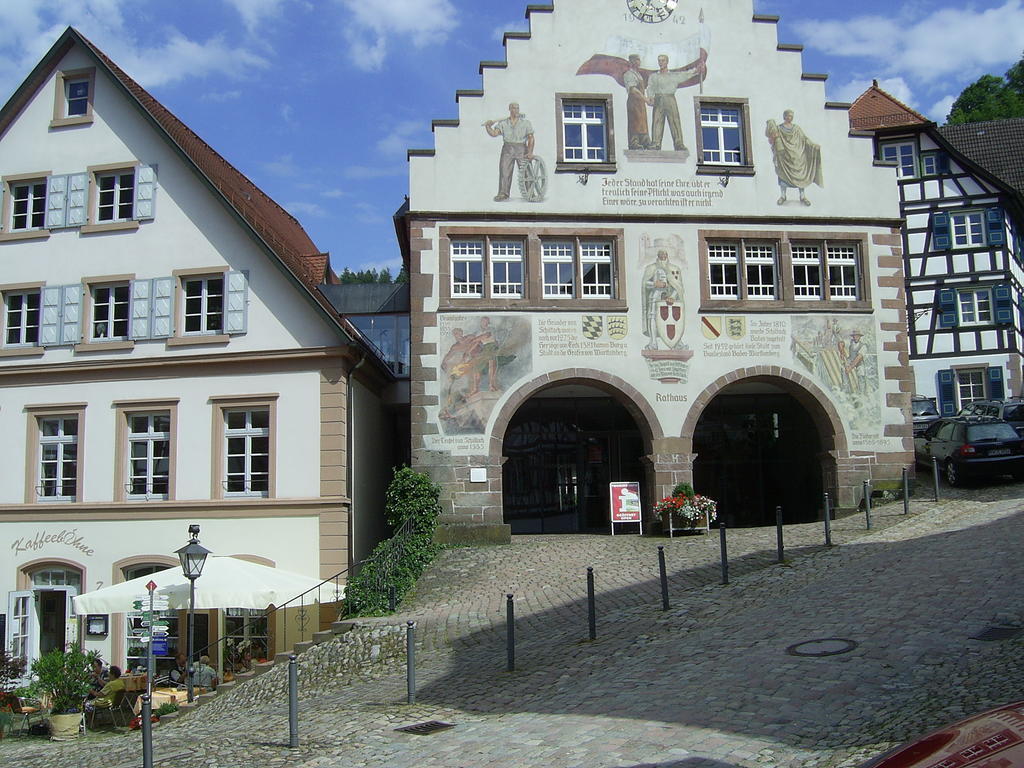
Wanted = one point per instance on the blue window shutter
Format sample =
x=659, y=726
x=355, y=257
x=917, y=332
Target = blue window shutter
x=145, y=192
x=78, y=196
x=163, y=303
x=49, y=323
x=995, y=383
x=237, y=302
x=140, y=307
x=942, y=162
x=56, y=202
x=71, y=314
x=947, y=308
x=940, y=231
x=994, y=226
x=1002, y=298
x=946, y=391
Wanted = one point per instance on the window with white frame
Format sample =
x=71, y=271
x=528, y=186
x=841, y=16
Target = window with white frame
x=76, y=97
x=755, y=264
x=968, y=228
x=115, y=198
x=843, y=271
x=21, y=318
x=975, y=306
x=203, y=311
x=28, y=205
x=721, y=129
x=584, y=132
x=596, y=269
x=58, y=458
x=970, y=385
x=807, y=272
x=109, y=312
x=558, y=264
x=904, y=154
x=247, y=452
x=467, y=260
x=506, y=268
x=149, y=455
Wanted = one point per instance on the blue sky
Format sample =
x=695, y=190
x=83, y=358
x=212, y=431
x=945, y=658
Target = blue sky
x=318, y=100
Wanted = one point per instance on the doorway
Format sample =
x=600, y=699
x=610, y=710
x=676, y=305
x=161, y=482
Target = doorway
x=563, y=447
x=757, y=448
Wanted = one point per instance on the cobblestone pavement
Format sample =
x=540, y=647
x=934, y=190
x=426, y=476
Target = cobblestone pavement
x=706, y=684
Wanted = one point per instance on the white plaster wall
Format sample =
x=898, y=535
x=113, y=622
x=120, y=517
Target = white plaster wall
x=925, y=371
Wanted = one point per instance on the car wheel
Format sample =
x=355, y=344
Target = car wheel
x=952, y=474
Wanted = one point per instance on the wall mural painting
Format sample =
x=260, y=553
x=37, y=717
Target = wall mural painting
x=517, y=156
x=631, y=63
x=843, y=357
x=482, y=355
x=664, y=318
x=797, y=158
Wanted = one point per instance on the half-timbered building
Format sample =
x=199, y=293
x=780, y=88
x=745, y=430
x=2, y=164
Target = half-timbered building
x=962, y=251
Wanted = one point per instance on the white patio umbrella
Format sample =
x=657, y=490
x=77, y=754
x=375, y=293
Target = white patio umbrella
x=227, y=582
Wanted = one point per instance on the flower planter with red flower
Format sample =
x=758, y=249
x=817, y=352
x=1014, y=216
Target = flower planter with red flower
x=685, y=510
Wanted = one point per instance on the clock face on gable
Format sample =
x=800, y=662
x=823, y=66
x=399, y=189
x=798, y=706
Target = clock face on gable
x=651, y=11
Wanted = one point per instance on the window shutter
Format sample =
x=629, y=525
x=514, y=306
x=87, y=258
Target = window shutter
x=71, y=314
x=238, y=297
x=145, y=192
x=994, y=226
x=49, y=323
x=56, y=202
x=162, y=322
x=942, y=162
x=940, y=231
x=995, y=383
x=141, y=308
x=1002, y=298
x=947, y=308
x=78, y=188
x=947, y=392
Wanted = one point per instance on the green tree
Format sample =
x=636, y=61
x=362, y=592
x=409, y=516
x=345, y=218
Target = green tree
x=991, y=98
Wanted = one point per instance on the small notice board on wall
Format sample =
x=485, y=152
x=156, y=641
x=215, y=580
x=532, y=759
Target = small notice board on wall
x=625, y=504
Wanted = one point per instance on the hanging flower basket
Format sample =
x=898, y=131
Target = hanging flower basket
x=686, y=511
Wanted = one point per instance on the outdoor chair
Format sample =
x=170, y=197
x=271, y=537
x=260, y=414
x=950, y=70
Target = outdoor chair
x=120, y=709
x=23, y=713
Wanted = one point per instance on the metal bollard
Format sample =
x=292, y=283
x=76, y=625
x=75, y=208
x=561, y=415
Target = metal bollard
x=828, y=522
x=906, y=491
x=510, y=632
x=664, y=577
x=867, y=504
x=146, y=714
x=778, y=536
x=410, y=662
x=293, y=701
x=591, y=607
x=935, y=476
x=725, y=553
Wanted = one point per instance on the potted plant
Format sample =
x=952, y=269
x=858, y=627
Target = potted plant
x=684, y=509
x=11, y=669
x=64, y=678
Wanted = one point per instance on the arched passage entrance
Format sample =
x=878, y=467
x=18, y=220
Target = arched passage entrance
x=763, y=442
x=562, y=446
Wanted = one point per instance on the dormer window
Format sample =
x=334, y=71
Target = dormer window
x=73, y=99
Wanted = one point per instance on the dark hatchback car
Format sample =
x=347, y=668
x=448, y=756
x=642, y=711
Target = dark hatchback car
x=924, y=412
x=971, y=448
x=1010, y=410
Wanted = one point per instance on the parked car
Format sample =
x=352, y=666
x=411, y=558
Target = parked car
x=992, y=738
x=924, y=412
x=971, y=448
x=1010, y=410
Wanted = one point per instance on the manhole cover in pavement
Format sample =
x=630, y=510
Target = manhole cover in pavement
x=998, y=633
x=422, y=729
x=825, y=646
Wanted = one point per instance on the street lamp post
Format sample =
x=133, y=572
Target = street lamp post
x=193, y=558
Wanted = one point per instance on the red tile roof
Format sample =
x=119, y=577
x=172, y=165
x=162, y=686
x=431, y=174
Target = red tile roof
x=877, y=109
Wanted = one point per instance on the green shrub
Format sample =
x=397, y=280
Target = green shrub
x=166, y=708
x=396, y=563
x=683, y=489
x=65, y=677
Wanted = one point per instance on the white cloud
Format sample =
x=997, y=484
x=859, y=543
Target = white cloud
x=375, y=25
x=926, y=47
x=181, y=58
x=393, y=264
x=372, y=172
x=254, y=12
x=282, y=166
x=333, y=193
x=219, y=96
x=298, y=209
x=396, y=141
x=287, y=114
x=895, y=86
x=939, y=111
x=367, y=213
x=519, y=25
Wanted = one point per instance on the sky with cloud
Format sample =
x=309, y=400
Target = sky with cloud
x=317, y=101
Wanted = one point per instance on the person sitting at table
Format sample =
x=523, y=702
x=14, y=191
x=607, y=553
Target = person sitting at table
x=205, y=675
x=179, y=672
x=110, y=694
x=98, y=677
